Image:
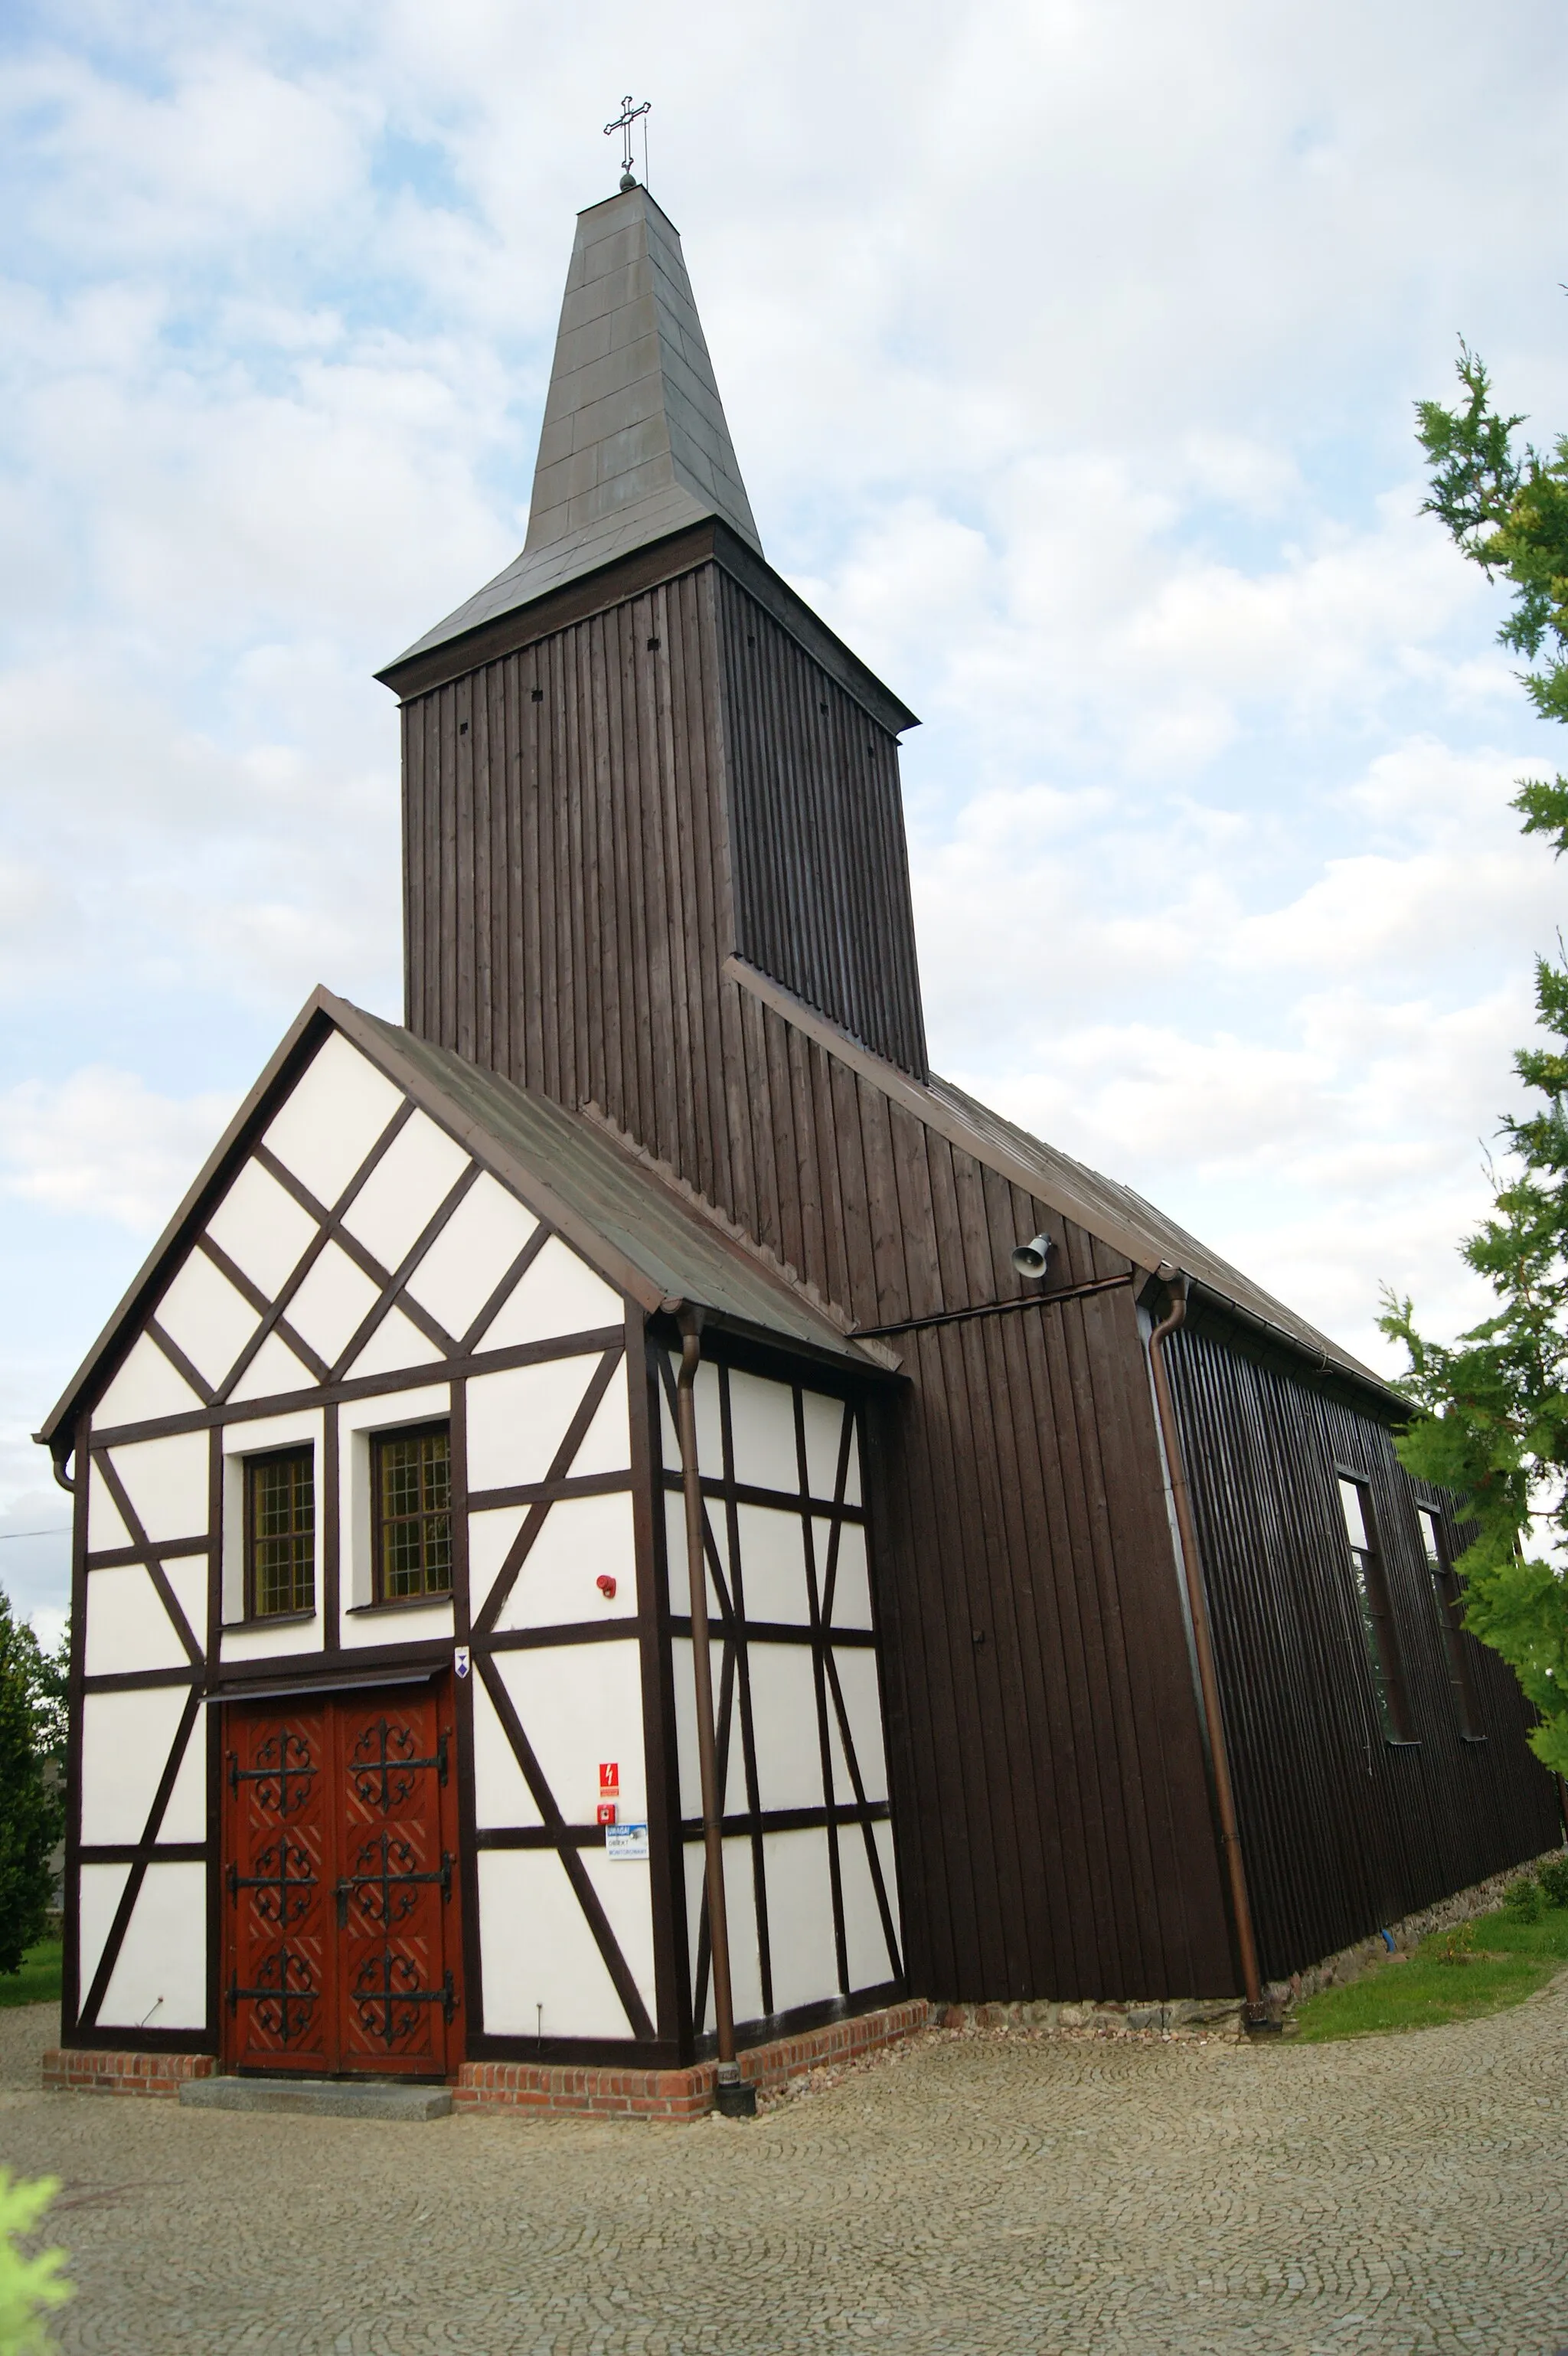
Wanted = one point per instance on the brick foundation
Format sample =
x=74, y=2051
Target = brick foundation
x=82, y=2070
x=542, y=2087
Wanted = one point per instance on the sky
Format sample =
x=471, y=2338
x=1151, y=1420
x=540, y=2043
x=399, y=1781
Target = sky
x=1070, y=350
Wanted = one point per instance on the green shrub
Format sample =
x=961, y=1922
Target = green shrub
x=1555, y=1882
x=1525, y=1899
x=29, y=2288
x=31, y=1814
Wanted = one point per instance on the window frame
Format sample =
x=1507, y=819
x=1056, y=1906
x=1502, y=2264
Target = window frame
x=391, y=1436
x=293, y=1451
x=1448, y=1595
x=1373, y=1599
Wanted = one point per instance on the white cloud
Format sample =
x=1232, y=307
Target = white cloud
x=103, y=1145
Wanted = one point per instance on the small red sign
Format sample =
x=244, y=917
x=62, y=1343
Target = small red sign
x=606, y=1811
x=609, y=1775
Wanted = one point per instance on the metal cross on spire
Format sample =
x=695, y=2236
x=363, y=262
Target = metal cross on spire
x=623, y=124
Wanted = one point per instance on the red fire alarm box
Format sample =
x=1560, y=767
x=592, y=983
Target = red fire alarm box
x=606, y=1811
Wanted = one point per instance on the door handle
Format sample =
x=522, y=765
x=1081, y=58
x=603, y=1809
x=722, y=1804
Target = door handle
x=344, y=1890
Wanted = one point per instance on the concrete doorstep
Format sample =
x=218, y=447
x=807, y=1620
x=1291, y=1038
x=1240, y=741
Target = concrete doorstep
x=321, y=2098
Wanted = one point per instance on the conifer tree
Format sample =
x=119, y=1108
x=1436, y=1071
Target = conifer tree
x=1491, y=1419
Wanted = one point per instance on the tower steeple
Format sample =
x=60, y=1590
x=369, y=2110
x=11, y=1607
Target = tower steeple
x=635, y=443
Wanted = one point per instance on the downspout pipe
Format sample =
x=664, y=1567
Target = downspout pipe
x=1256, y=2016
x=734, y=2098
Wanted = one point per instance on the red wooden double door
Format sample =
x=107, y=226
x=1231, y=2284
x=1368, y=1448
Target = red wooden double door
x=340, y=1896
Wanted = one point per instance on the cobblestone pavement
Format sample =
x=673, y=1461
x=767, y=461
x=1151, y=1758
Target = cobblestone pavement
x=978, y=2194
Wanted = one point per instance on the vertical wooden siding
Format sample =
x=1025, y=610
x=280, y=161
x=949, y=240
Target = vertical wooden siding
x=1343, y=1832
x=821, y=869
x=570, y=912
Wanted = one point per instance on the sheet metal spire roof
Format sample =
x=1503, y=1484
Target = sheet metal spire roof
x=635, y=445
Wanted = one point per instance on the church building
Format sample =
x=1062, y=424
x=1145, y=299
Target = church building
x=626, y=1519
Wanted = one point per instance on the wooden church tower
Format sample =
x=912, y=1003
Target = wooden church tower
x=1072, y=1630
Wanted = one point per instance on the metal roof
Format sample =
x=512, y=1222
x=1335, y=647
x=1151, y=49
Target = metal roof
x=635, y=443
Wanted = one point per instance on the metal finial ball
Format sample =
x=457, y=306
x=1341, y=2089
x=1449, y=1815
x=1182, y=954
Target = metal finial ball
x=627, y=181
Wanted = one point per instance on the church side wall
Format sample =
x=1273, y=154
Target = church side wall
x=811, y=1886
x=1342, y=1831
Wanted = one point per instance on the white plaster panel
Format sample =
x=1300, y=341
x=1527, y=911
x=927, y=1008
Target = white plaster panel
x=165, y=1480
x=100, y=1888
x=187, y=1574
x=557, y=1294
x=518, y=1419
x=105, y=1530
x=824, y=1420
x=852, y=1492
x=333, y=1117
x=184, y=1819
x=490, y=1536
x=675, y=1554
x=580, y=1540
x=740, y=1906
x=501, y=1795
x=865, y=1940
x=159, y=1980
x=606, y=1445
x=800, y=1918
x=709, y=1428
x=125, y=1739
x=625, y=1890
x=784, y=1726
x=851, y=1583
x=405, y=1190
x=761, y=1425
x=471, y=1255
x=145, y=1389
x=410, y=1624
x=543, y=1972
x=857, y=1670
x=332, y=1303
x=883, y=1834
x=580, y=1705
x=262, y=1642
x=261, y=1228
x=397, y=1342
x=210, y=1322
x=127, y=1627
x=772, y=1565
x=734, y=1800
x=274, y=1373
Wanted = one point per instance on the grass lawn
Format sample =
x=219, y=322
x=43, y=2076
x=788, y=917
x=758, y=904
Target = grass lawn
x=1510, y=1962
x=39, y=1981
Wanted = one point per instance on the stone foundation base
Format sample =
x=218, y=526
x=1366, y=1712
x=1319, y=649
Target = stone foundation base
x=84, y=2070
x=540, y=2086
x=1337, y=1971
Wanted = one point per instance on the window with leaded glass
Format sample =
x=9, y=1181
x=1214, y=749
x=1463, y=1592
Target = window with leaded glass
x=1375, y=1610
x=280, y=1533
x=411, y=1475
x=1450, y=1598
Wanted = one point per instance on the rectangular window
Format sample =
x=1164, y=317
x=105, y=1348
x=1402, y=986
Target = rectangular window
x=280, y=1533
x=1375, y=1608
x=411, y=1473
x=1451, y=1615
